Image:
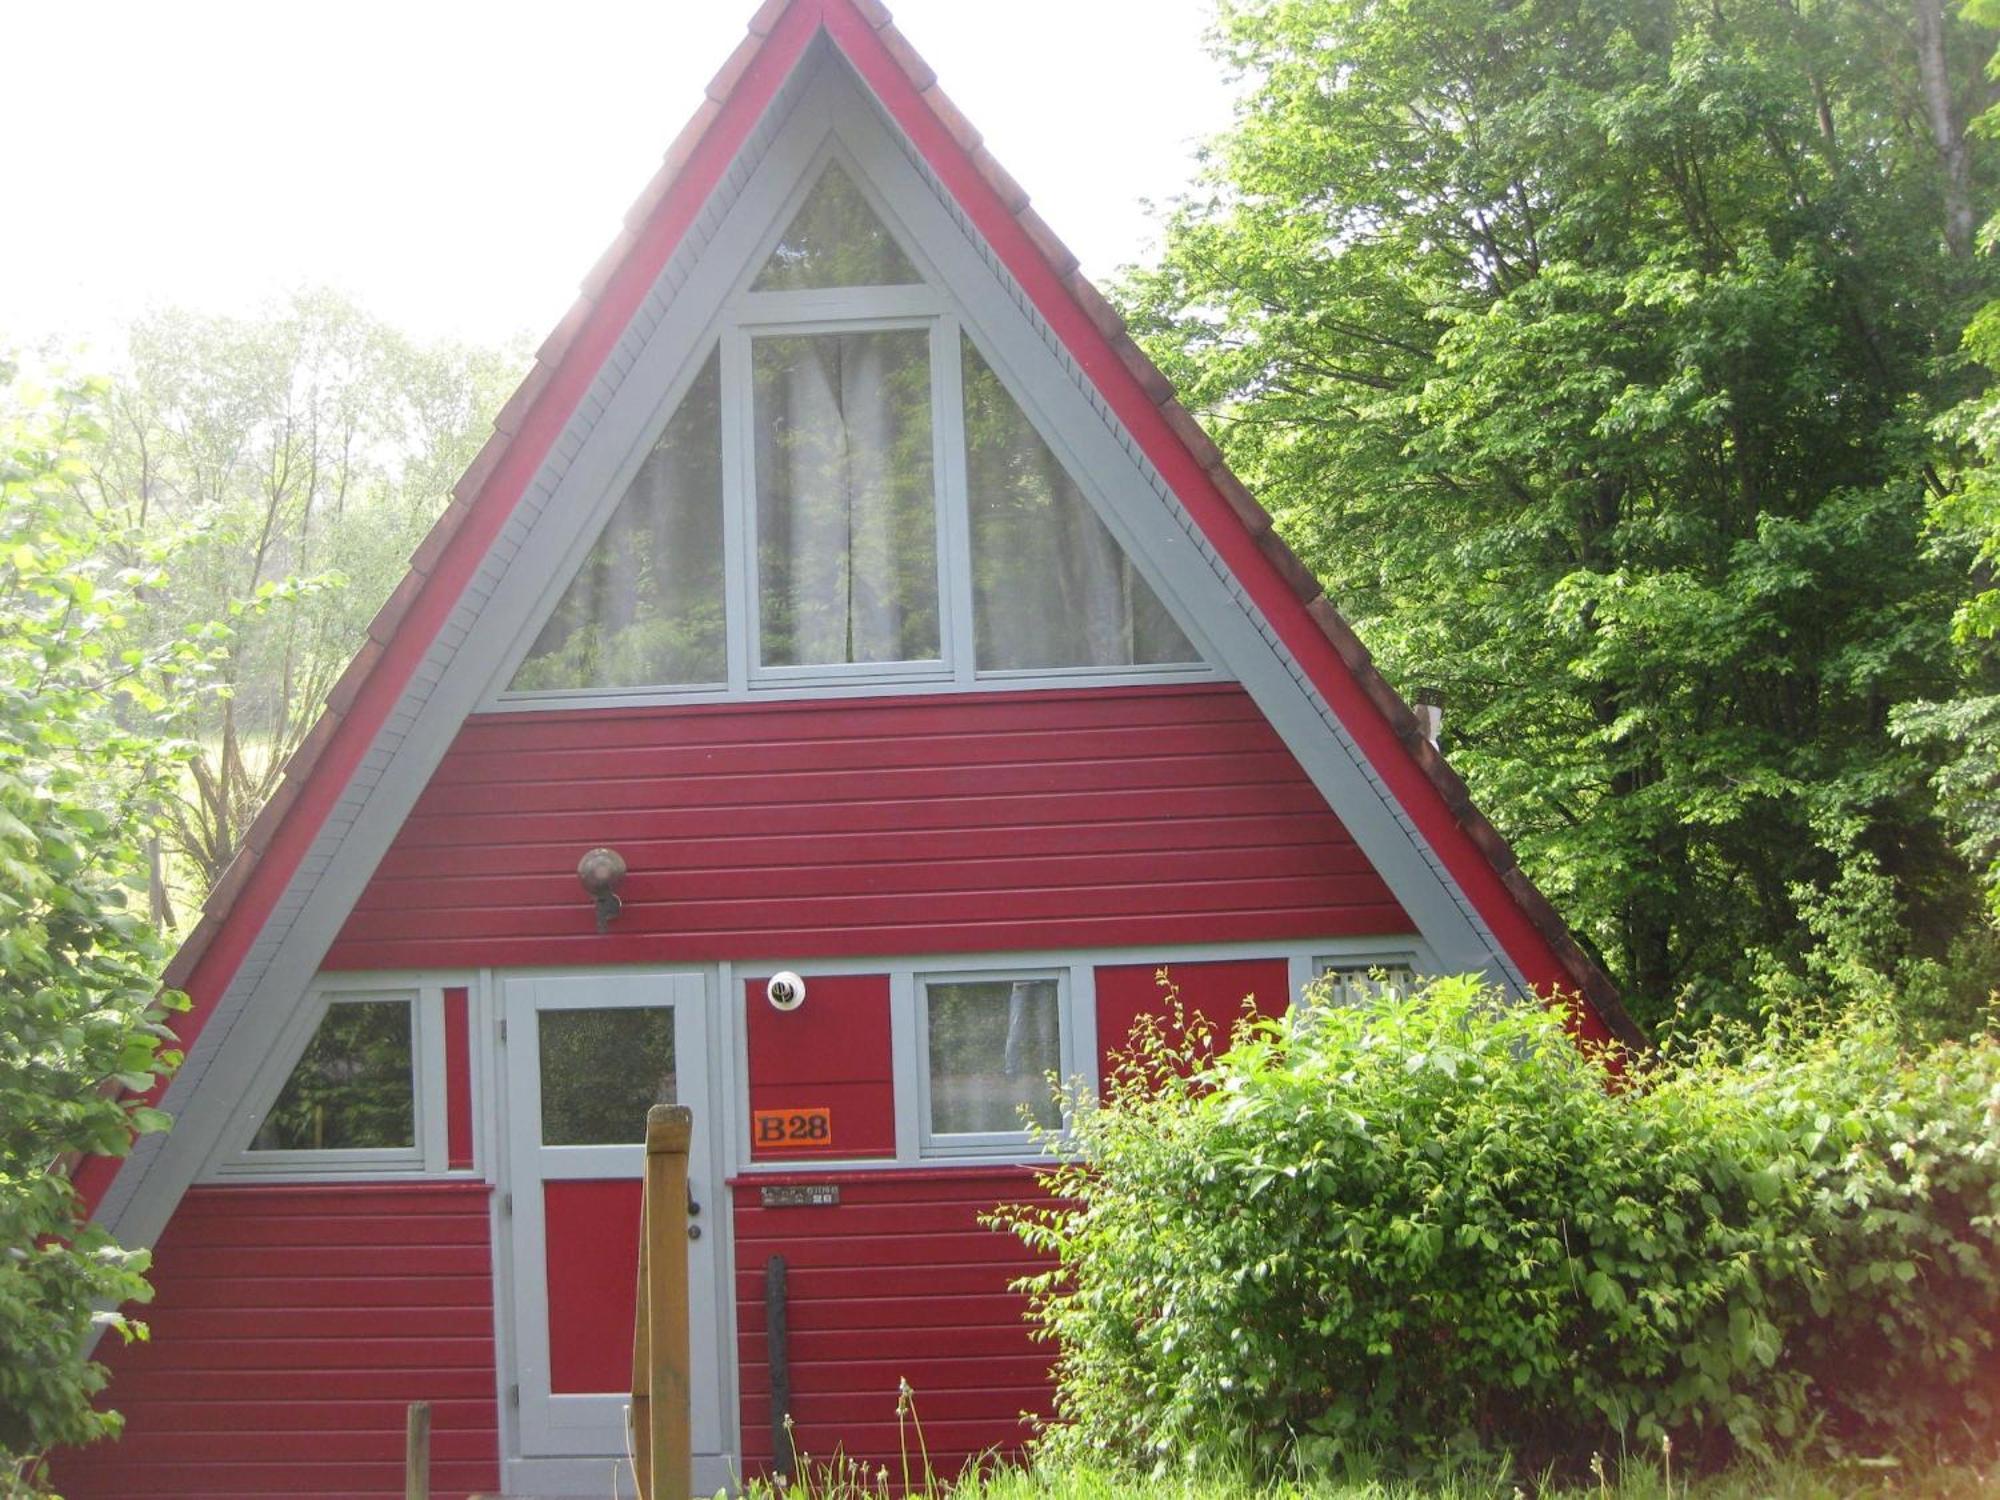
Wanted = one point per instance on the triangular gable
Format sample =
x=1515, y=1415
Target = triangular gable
x=267, y=922
x=897, y=510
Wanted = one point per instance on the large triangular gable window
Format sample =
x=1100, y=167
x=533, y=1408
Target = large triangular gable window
x=884, y=509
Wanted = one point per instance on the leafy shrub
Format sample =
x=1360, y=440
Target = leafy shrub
x=1421, y=1231
x=83, y=1032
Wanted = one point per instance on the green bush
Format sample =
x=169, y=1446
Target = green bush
x=1407, y=1235
x=83, y=1025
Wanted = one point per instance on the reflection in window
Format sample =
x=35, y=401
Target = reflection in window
x=1051, y=586
x=647, y=606
x=353, y=1089
x=602, y=1070
x=846, y=512
x=993, y=1045
x=835, y=240
x=1362, y=984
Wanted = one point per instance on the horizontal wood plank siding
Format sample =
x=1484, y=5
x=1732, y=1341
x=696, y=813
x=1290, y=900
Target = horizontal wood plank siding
x=897, y=1282
x=292, y=1326
x=835, y=1053
x=1180, y=998
x=834, y=828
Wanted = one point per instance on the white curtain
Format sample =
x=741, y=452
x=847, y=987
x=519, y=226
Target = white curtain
x=1051, y=586
x=845, y=512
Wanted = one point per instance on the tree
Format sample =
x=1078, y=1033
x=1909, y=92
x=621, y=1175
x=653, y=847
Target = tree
x=295, y=458
x=1966, y=726
x=84, y=773
x=1589, y=351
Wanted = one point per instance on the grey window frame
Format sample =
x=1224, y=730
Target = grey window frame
x=1003, y=1143
x=429, y=1154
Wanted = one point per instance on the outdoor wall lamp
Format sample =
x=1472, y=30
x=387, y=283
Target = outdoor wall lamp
x=601, y=871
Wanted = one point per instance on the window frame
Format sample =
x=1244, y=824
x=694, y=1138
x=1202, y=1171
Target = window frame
x=745, y=315
x=1361, y=964
x=933, y=1143
x=429, y=1155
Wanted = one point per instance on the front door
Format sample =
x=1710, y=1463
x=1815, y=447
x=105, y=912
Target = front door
x=586, y=1056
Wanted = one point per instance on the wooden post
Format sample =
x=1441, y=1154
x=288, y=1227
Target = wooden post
x=417, y=1453
x=662, y=1448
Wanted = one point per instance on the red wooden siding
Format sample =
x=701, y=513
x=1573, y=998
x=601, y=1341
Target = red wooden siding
x=834, y=1052
x=897, y=1282
x=292, y=1327
x=1213, y=991
x=842, y=827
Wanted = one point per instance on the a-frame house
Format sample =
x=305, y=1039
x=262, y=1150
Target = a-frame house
x=844, y=567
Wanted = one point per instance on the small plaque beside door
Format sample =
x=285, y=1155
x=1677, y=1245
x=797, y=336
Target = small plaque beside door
x=800, y=1195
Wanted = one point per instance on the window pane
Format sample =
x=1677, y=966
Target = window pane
x=846, y=521
x=1364, y=984
x=993, y=1045
x=645, y=610
x=353, y=1089
x=835, y=240
x=1051, y=587
x=602, y=1070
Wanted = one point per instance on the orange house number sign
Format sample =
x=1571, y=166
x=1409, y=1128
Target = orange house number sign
x=791, y=1129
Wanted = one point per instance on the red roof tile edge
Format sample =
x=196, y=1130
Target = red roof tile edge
x=1592, y=983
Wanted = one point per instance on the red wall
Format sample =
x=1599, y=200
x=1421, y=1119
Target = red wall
x=292, y=1327
x=897, y=1282
x=832, y=1053
x=1214, y=992
x=886, y=826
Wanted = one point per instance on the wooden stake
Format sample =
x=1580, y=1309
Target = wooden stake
x=661, y=1441
x=417, y=1453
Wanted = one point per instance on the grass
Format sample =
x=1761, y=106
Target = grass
x=844, y=1480
x=1652, y=1477
x=1636, y=1476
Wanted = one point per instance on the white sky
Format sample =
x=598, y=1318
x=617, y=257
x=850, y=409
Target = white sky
x=457, y=166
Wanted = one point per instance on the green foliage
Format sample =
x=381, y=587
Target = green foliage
x=83, y=772
x=1965, y=728
x=351, y=1088
x=1416, y=1234
x=1861, y=952
x=1590, y=354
